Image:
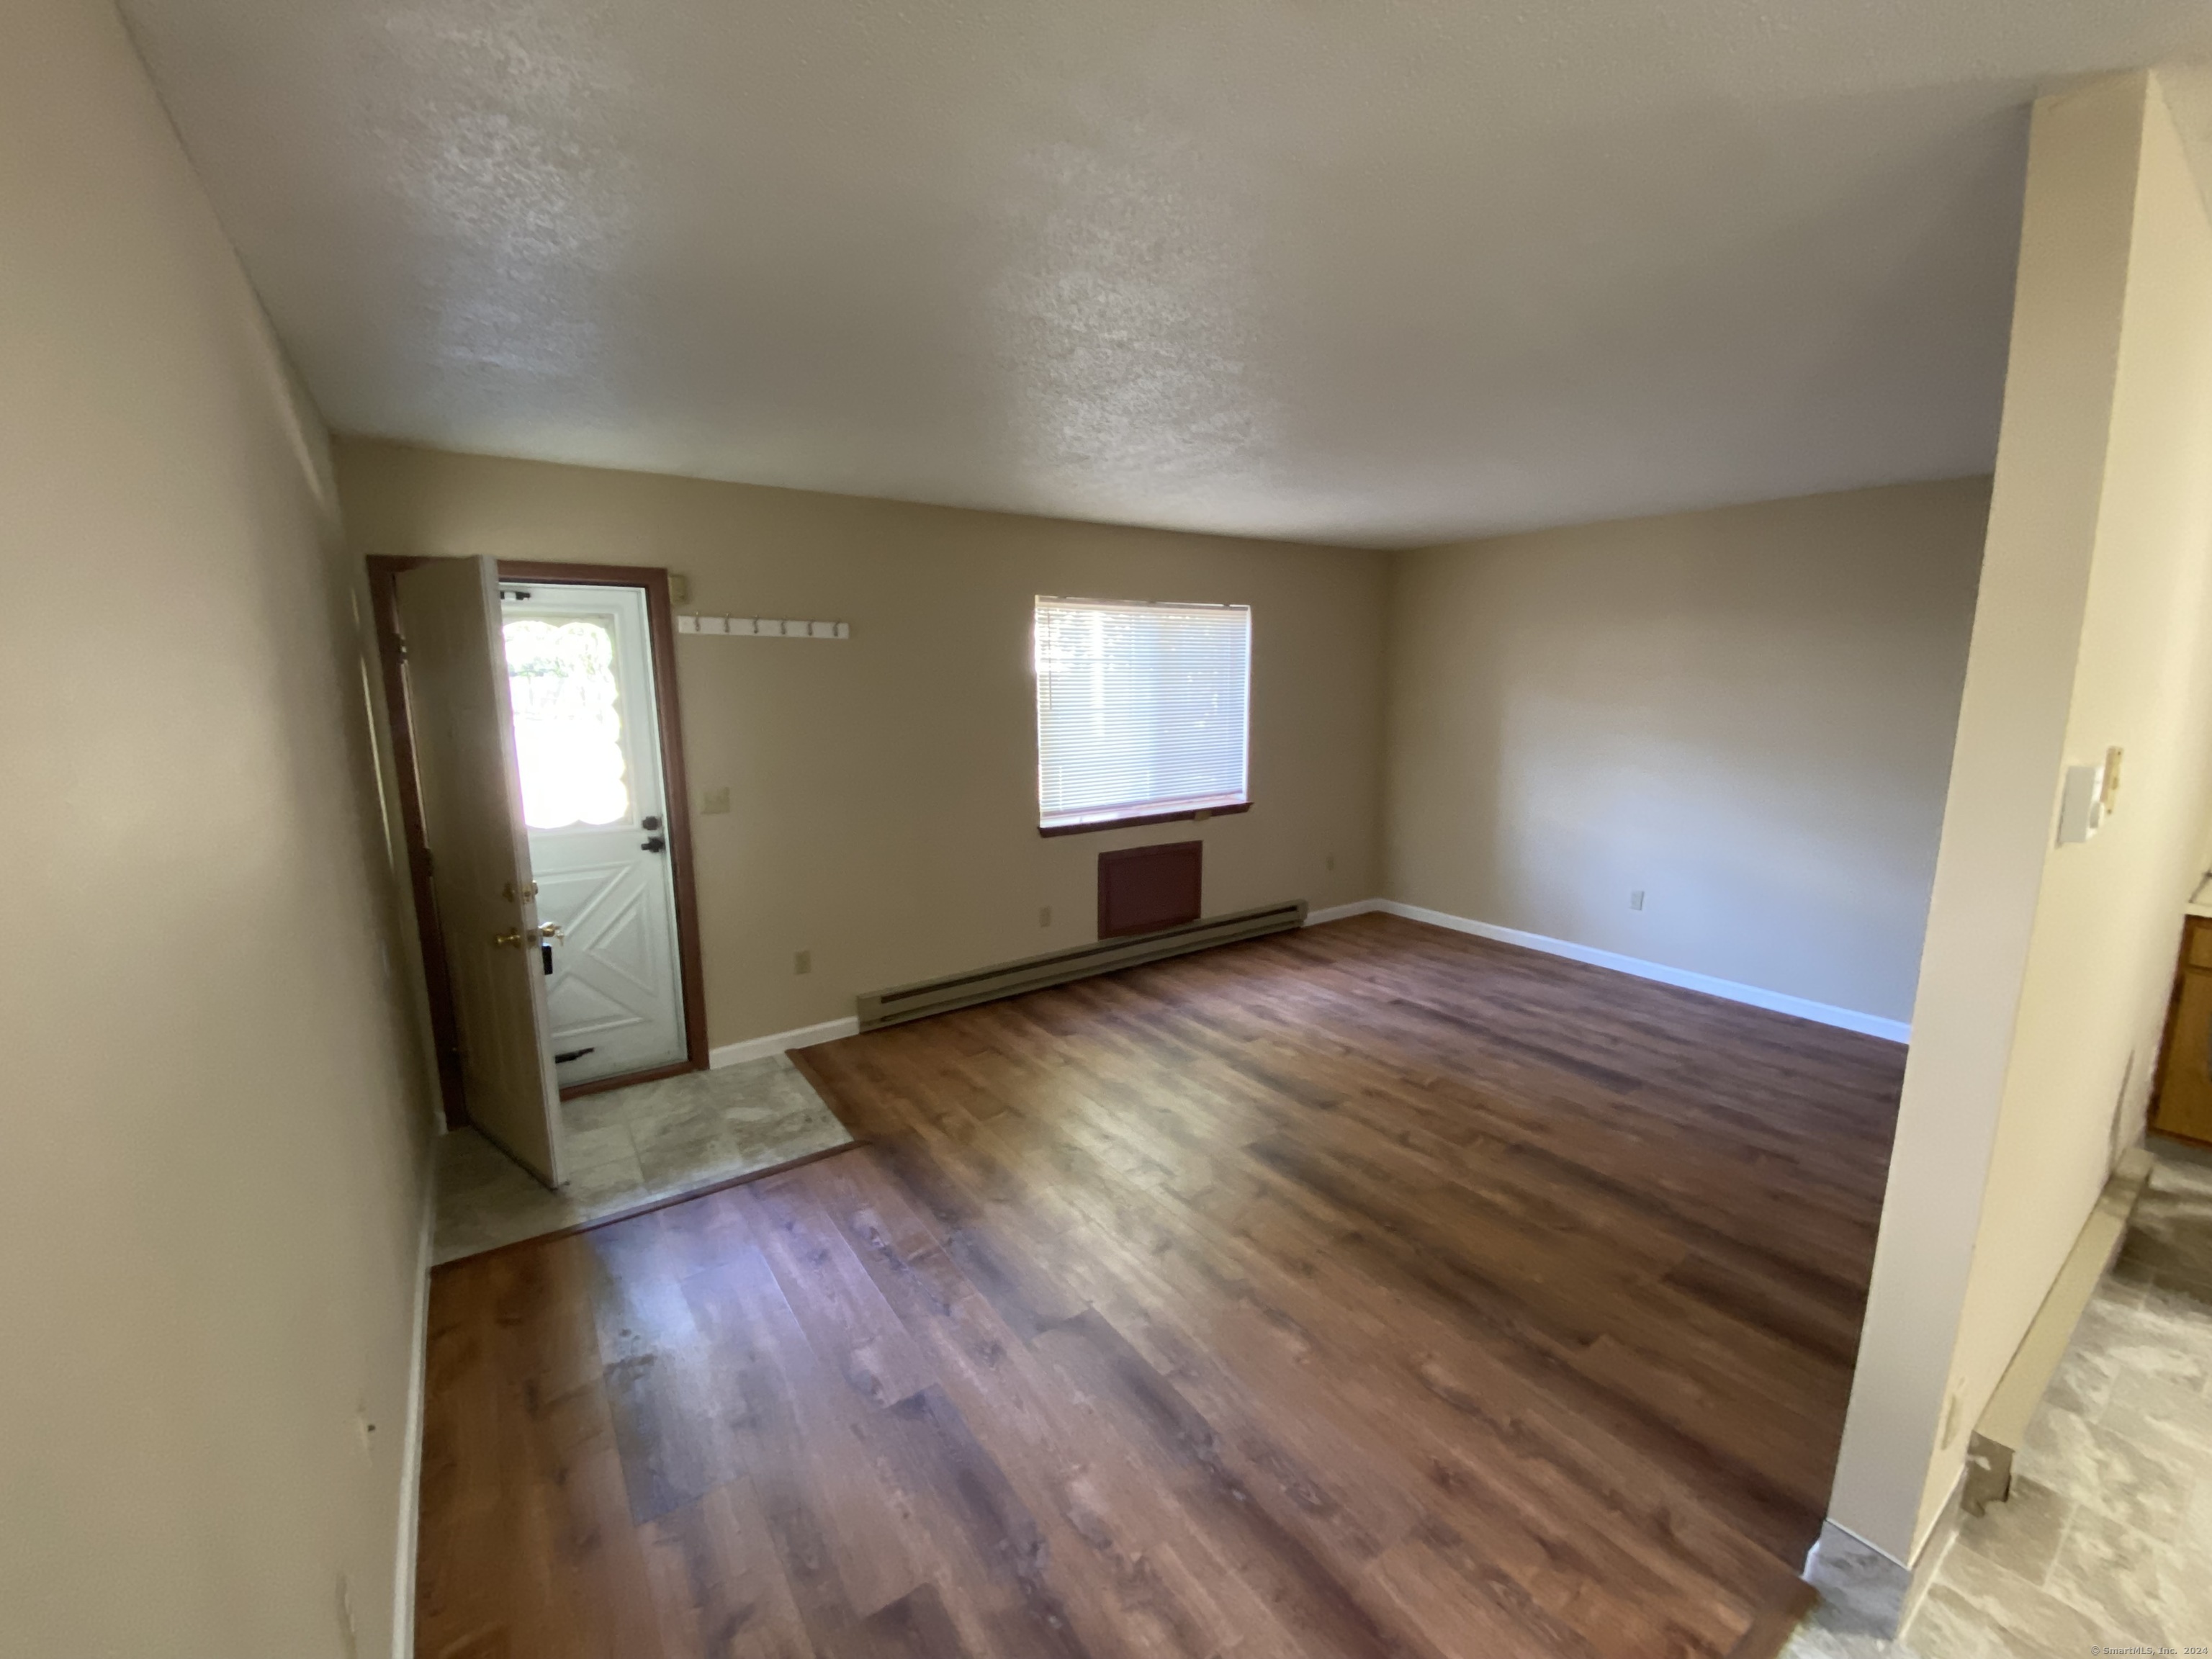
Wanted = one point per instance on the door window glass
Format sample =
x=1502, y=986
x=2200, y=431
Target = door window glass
x=568, y=722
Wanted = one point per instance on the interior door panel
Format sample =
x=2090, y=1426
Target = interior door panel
x=464, y=756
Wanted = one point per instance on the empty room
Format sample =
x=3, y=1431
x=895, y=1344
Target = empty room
x=1225, y=831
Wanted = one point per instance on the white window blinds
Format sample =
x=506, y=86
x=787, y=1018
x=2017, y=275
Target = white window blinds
x=1140, y=709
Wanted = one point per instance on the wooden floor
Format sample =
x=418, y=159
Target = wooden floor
x=1366, y=1290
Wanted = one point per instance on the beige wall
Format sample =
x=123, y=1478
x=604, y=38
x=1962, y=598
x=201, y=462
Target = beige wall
x=2046, y=969
x=210, y=1187
x=885, y=787
x=1746, y=714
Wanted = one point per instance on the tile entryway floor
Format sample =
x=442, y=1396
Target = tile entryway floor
x=631, y=1147
x=2102, y=1546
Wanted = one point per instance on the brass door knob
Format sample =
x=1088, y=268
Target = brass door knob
x=523, y=936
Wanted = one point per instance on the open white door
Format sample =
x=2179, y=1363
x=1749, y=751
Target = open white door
x=464, y=759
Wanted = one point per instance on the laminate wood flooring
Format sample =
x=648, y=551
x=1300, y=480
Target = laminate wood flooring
x=1368, y=1291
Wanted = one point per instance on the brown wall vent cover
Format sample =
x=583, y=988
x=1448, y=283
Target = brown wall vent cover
x=1142, y=890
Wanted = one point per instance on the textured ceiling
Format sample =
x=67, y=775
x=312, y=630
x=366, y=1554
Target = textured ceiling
x=1380, y=271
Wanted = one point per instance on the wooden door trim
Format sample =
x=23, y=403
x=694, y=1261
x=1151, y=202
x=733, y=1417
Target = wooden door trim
x=660, y=619
x=437, y=972
x=2166, y=1032
x=2190, y=927
x=437, y=975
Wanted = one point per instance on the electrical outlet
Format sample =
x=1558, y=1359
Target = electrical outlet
x=803, y=963
x=1044, y=916
x=716, y=800
x=1636, y=899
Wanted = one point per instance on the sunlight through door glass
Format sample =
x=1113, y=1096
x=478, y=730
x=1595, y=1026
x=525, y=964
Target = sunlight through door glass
x=567, y=726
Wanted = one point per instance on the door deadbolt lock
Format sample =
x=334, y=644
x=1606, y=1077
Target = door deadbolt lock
x=522, y=936
x=515, y=895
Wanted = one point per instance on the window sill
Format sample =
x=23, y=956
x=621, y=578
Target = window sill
x=1187, y=814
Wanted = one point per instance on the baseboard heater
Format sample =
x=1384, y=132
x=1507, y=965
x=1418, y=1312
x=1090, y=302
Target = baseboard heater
x=938, y=996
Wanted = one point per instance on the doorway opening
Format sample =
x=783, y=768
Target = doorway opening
x=590, y=662
x=596, y=807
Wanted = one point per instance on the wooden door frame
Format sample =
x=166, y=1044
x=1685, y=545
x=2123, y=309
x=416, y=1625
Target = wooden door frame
x=437, y=976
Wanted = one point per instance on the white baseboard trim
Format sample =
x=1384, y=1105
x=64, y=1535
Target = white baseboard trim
x=1849, y=1019
x=1338, y=912
x=759, y=1048
x=411, y=1441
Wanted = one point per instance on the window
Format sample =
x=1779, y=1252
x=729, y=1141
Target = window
x=568, y=730
x=1140, y=710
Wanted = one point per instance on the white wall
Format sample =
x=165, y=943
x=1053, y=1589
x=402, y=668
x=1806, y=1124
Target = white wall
x=2046, y=969
x=211, y=1148
x=1746, y=714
